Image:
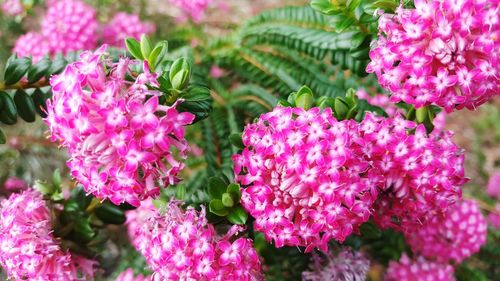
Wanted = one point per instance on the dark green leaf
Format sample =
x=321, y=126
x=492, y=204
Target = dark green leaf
x=341, y=108
x=216, y=187
x=110, y=214
x=57, y=66
x=16, y=69
x=8, y=113
x=236, y=140
x=39, y=100
x=3, y=139
x=83, y=230
x=39, y=70
x=234, y=190
x=218, y=208
x=25, y=106
x=237, y=216
x=198, y=101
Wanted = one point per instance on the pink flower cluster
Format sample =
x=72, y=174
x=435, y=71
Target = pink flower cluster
x=420, y=269
x=443, y=52
x=311, y=178
x=28, y=250
x=14, y=184
x=193, y=9
x=182, y=245
x=345, y=266
x=123, y=144
x=125, y=25
x=455, y=236
x=32, y=44
x=70, y=25
x=136, y=219
x=13, y=7
x=128, y=275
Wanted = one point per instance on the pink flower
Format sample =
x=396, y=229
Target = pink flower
x=455, y=236
x=216, y=72
x=494, y=217
x=128, y=275
x=310, y=178
x=305, y=173
x=70, y=25
x=193, y=9
x=493, y=188
x=345, y=266
x=123, y=144
x=136, y=219
x=28, y=250
x=14, y=184
x=420, y=269
x=13, y=7
x=442, y=53
x=181, y=245
x=32, y=44
x=124, y=25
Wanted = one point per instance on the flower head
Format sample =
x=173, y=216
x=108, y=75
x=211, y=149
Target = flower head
x=14, y=184
x=13, y=7
x=32, y=44
x=443, y=52
x=345, y=266
x=125, y=25
x=28, y=250
x=420, y=269
x=123, y=144
x=306, y=175
x=70, y=25
x=455, y=236
x=193, y=9
x=182, y=245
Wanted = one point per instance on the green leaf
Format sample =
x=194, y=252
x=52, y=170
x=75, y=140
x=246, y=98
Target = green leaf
x=341, y=109
x=3, y=139
x=79, y=195
x=110, y=214
x=180, y=79
x=16, y=69
x=8, y=112
x=217, y=207
x=39, y=70
x=56, y=179
x=43, y=187
x=324, y=6
x=235, y=139
x=39, y=100
x=198, y=101
x=227, y=200
x=158, y=54
x=343, y=24
x=177, y=66
x=134, y=48
x=25, y=106
x=353, y=4
x=146, y=46
x=83, y=230
x=234, y=190
x=57, y=66
x=421, y=114
x=237, y=216
x=216, y=187
x=304, y=98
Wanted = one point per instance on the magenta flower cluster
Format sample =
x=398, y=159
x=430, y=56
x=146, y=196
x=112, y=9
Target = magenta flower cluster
x=123, y=144
x=72, y=25
x=28, y=250
x=13, y=7
x=192, y=9
x=345, y=266
x=455, y=236
x=182, y=245
x=310, y=178
x=417, y=270
x=122, y=26
x=443, y=52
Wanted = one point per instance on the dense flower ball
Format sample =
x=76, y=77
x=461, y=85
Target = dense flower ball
x=455, y=236
x=128, y=275
x=14, y=184
x=70, y=25
x=307, y=178
x=419, y=175
x=182, y=245
x=346, y=266
x=136, y=219
x=28, y=250
x=443, y=52
x=311, y=178
x=13, y=7
x=493, y=188
x=418, y=270
x=123, y=144
x=125, y=25
x=193, y=9
x=32, y=44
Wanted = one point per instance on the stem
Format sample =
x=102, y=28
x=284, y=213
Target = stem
x=23, y=85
